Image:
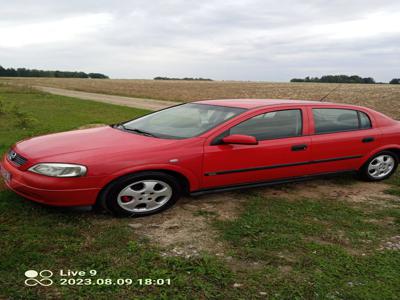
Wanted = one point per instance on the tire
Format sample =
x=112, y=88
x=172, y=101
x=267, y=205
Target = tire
x=140, y=194
x=379, y=167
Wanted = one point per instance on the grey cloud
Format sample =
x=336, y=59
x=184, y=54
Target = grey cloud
x=241, y=40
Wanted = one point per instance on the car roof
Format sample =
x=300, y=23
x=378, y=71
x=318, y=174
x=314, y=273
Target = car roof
x=257, y=103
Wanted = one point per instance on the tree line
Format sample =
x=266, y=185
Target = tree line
x=23, y=72
x=341, y=79
x=185, y=78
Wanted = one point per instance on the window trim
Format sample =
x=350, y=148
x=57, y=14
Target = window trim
x=218, y=139
x=348, y=130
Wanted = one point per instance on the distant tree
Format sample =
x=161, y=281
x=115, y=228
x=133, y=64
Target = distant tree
x=395, y=81
x=368, y=80
x=98, y=76
x=11, y=72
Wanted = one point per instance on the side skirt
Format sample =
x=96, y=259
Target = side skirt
x=266, y=183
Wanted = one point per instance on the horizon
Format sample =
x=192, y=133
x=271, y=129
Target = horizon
x=192, y=78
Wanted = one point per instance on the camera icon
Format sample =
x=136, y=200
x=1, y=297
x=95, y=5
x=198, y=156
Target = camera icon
x=43, y=280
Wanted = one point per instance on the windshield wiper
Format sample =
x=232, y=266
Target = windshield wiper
x=140, y=131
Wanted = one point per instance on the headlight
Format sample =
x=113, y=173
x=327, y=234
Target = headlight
x=59, y=170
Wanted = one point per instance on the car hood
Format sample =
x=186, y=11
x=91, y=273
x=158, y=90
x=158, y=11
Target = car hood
x=83, y=143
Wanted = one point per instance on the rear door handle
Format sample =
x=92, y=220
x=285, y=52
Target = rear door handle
x=301, y=147
x=368, y=139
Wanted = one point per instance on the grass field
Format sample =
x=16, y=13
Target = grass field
x=329, y=239
x=383, y=97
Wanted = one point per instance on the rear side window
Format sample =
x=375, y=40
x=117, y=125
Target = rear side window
x=272, y=125
x=335, y=120
x=365, y=122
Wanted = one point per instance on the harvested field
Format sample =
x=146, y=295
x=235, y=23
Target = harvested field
x=382, y=97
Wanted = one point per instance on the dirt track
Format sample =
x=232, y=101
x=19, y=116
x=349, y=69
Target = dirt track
x=150, y=104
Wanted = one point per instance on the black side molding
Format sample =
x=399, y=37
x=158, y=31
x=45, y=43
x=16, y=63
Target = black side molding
x=282, y=165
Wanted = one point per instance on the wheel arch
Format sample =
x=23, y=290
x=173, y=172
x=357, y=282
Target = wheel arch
x=181, y=178
x=188, y=180
x=392, y=148
x=395, y=151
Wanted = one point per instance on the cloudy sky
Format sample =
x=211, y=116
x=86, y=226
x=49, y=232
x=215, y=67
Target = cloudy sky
x=229, y=40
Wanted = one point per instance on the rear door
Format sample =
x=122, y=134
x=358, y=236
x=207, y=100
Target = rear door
x=283, y=150
x=341, y=138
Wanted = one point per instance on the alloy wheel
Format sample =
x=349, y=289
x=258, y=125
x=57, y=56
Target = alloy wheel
x=144, y=195
x=381, y=166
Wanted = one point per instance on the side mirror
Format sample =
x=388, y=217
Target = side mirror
x=240, y=139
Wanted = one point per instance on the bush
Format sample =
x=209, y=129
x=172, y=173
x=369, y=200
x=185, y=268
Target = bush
x=23, y=119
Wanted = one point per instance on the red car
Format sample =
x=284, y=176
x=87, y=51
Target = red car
x=143, y=166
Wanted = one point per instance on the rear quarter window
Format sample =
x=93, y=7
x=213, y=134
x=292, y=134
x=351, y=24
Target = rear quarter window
x=365, y=122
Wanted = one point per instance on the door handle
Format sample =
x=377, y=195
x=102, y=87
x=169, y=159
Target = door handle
x=368, y=139
x=300, y=147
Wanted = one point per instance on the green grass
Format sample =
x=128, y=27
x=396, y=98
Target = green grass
x=285, y=249
x=395, y=182
x=329, y=246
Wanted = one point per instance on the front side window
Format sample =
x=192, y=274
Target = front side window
x=271, y=125
x=328, y=120
x=182, y=121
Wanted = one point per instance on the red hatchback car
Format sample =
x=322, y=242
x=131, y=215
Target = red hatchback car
x=143, y=166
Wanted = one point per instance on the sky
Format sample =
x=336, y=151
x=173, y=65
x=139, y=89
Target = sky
x=258, y=40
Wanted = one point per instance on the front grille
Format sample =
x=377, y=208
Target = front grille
x=16, y=159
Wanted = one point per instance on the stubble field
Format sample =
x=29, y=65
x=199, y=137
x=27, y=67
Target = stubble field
x=382, y=97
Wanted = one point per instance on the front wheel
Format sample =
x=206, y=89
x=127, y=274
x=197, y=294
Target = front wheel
x=141, y=194
x=379, y=167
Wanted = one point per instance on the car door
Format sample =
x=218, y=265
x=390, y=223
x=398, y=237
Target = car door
x=283, y=150
x=341, y=138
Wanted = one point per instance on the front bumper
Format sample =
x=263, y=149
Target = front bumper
x=50, y=190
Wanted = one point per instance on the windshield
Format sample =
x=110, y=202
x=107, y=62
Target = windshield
x=182, y=121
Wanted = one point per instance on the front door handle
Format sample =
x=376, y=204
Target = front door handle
x=368, y=139
x=300, y=147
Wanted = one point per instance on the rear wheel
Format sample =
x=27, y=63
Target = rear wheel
x=141, y=194
x=379, y=167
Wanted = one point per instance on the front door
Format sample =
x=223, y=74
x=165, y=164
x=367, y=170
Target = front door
x=283, y=150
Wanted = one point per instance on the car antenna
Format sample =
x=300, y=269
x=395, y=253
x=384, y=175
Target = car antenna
x=334, y=89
